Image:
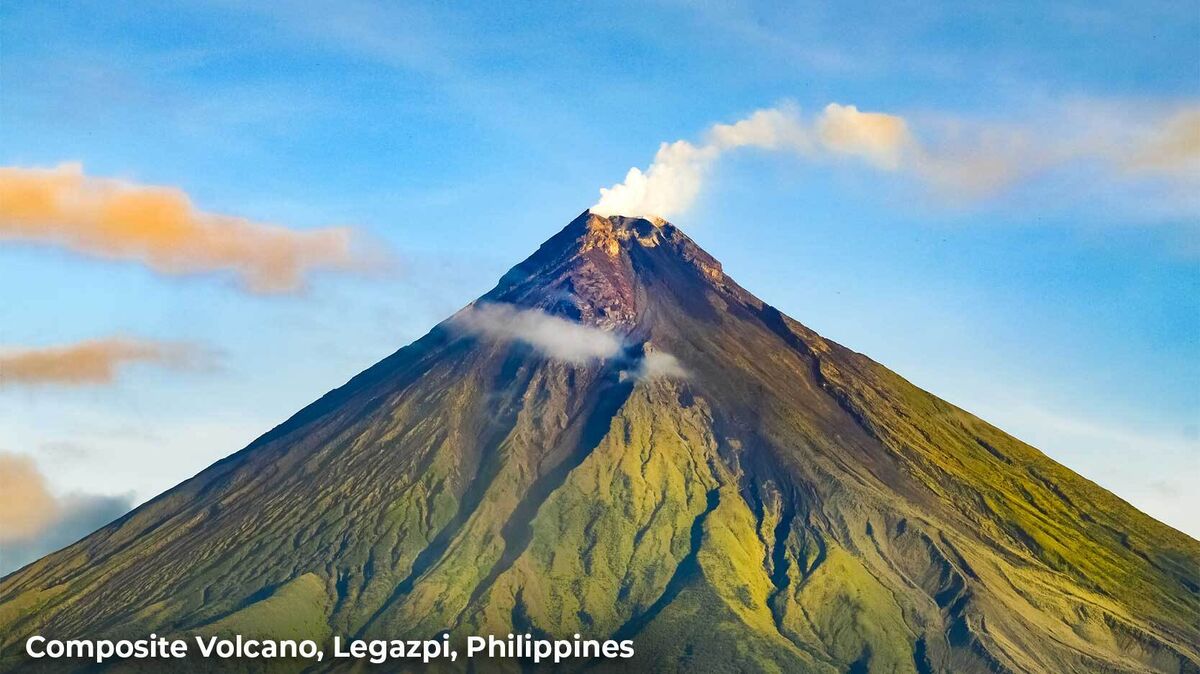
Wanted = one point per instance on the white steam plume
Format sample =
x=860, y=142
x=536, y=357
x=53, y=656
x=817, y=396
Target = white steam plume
x=957, y=158
x=674, y=179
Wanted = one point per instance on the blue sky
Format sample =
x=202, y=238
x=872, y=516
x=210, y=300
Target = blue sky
x=1062, y=305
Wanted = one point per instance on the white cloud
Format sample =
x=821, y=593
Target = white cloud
x=554, y=336
x=562, y=339
x=777, y=128
x=660, y=364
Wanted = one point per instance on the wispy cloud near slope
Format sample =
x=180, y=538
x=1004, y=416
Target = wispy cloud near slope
x=161, y=228
x=660, y=364
x=556, y=337
x=958, y=159
x=563, y=339
x=92, y=362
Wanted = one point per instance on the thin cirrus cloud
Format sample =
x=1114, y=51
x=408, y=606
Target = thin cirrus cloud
x=94, y=361
x=1172, y=148
x=34, y=521
x=162, y=229
x=956, y=158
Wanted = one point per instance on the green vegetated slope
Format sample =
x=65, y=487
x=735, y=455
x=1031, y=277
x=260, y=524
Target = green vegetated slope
x=782, y=505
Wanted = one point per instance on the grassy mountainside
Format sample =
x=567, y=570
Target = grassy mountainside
x=788, y=505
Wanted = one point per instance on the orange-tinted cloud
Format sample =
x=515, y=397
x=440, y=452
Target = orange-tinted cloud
x=34, y=521
x=878, y=137
x=90, y=362
x=26, y=504
x=161, y=228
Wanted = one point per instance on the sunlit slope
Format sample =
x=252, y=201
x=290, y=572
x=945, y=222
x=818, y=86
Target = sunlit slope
x=786, y=505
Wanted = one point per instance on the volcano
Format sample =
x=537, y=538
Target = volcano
x=620, y=441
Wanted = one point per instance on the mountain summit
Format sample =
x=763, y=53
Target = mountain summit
x=620, y=441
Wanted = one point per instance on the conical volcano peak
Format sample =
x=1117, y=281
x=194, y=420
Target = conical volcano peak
x=702, y=477
x=592, y=269
x=611, y=232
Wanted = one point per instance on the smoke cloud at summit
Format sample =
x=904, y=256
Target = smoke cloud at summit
x=673, y=181
x=959, y=159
